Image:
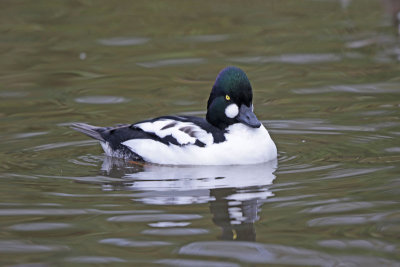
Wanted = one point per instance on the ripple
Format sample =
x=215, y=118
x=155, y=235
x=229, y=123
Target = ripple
x=66, y=212
x=308, y=203
x=154, y=217
x=27, y=212
x=14, y=175
x=352, y=172
x=376, y=40
x=363, y=244
x=257, y=253
x=78, y=162
x=184, y=103
x=87, y=160
x=393, y=149
x=101, y=99
x=28, y=135
x=298, y=169
x=123, y=41
x=282, y=199
x=195, y=263
x=252, y=252
x=171, y=62
x=39, y=226
x=176, y=231
x=339, y=207
x=94, y=259
x=169, y=224
x=36, y=264
x=78, y=73
x=375, y=113
x=208, y=38
x=315, y=126
x=64, y=144
x=302, y=132
x=285, y=158
x=378, y=88
x=291, y=59
x=15, y=246
x=370, y=138
x=89, y=195
x=31, y=204
x=88, y=179
x=13, y=94
x=348, y=219
x=123, y=242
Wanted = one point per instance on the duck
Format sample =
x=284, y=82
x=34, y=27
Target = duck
x=230, y=133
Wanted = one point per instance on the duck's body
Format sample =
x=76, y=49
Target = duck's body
x=231, y=133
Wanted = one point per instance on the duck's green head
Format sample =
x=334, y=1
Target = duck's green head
x=231, y=100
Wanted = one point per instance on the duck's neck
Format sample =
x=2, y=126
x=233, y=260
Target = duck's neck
x=215, y=122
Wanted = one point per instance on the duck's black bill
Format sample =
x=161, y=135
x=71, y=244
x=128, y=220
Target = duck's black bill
x=247, y=117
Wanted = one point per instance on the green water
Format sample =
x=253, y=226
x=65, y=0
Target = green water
x=326, y=85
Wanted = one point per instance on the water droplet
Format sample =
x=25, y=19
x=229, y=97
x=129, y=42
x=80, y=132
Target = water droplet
x=82, y=56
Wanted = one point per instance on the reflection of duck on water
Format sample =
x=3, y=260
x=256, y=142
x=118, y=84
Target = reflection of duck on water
x=233, y=191
x=392, y=8
x=236, y=218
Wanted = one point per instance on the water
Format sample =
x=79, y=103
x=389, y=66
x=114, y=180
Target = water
x=326, y=83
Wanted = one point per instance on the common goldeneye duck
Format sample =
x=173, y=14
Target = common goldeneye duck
x=231, y=133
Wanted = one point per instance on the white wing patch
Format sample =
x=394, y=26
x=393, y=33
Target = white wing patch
x=185, y=133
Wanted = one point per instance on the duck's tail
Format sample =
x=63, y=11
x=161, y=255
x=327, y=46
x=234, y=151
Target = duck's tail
x=89, y=130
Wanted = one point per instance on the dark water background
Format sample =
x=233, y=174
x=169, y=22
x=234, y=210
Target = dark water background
x=327, y=86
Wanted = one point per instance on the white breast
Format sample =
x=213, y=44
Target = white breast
x=243, y=145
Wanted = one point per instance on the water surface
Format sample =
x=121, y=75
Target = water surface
x=326, y=84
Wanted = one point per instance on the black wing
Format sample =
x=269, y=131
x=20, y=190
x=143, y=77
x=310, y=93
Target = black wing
x=176, y=130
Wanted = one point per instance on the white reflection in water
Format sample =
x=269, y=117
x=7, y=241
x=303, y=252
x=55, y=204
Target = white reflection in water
x=169, y=224
x=101, y=99
x=199, y=180
x=377, y=88
x=94, y=259
x=252, y=252
x=195, y=263
x=123, y=41
x=350, y=219
x=171, y=62
x=153, y=217
x=371, y=244
x=39, y=226
x=123, y=242
x=175, y=231
x=290, y=59
x=207, y=38
x=235, y=193
x=17, y=246
x=344, y=173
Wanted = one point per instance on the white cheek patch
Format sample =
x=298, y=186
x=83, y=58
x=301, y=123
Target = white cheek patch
x=232, y=111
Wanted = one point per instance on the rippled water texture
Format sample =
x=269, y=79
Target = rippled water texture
x=326, y=84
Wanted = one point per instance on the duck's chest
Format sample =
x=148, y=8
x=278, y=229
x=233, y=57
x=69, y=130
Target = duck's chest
x=247, y=145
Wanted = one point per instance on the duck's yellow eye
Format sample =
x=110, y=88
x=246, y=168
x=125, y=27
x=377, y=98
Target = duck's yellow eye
x=227, y=97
